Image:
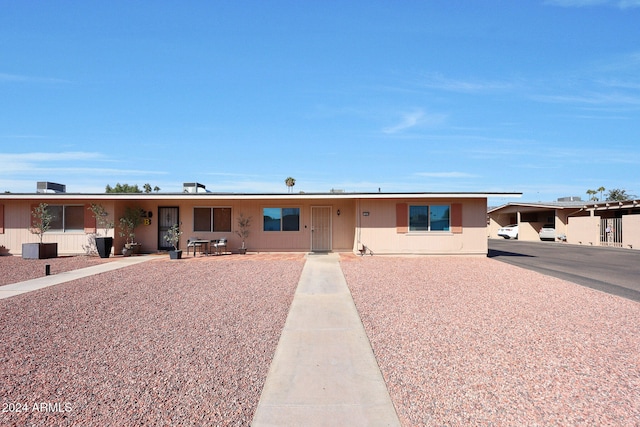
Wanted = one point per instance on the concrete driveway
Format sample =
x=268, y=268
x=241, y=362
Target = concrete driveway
x=612, y=270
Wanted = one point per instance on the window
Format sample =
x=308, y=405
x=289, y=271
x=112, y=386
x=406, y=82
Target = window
x=429, y=218
x=281, y=219
x=212, y=219
x=66, y=218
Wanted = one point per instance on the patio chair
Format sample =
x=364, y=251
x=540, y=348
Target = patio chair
x=218, y=245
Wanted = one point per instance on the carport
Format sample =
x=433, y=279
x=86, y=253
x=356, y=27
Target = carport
x=530, y=217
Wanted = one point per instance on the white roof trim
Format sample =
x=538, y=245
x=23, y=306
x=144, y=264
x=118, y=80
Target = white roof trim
x=249, y=196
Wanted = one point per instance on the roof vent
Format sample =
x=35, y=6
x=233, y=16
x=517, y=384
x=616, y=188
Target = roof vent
x=193, y=187
x=45, y=187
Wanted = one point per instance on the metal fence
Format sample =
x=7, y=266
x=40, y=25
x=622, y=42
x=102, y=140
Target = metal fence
x=611, y=232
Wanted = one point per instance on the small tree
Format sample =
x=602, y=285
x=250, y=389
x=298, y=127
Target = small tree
x=102, y=217
x=129, y=222
x=173, y=236
x=244, y=223
x=41, y=222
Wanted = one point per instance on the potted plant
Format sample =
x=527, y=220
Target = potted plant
x=132, y=218
x=40, y=224
x=173, y=237
x=244, y=223
x=103, y=244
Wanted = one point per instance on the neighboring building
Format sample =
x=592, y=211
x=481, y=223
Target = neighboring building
x=609, y=223
x=384, y=223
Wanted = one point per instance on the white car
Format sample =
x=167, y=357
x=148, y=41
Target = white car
x=509, y=232
x=548, y=232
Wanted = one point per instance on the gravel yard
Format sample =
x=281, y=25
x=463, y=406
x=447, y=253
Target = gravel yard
x=472, y=341
x=459, y=340
x=14, y=269
x=159, y=343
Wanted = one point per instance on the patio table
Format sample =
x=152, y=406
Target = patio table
x=204, y=244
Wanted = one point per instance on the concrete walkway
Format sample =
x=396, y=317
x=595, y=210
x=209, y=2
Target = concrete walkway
x=324, y=372
x=13, y=289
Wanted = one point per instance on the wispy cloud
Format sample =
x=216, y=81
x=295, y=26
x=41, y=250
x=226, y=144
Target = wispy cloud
x=447, y=175
x=49, y=157
x=413, y=119
x=576, y=3
x=591, y=99
x=17, y=78
x=622, y=4
x=625, y=4
x=621, y=84
x=437, y=81
x=65, y=163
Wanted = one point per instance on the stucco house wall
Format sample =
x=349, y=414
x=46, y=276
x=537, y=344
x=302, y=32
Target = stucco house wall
x=584, y=230
x=631, y=234
x=16, y=224
x=379, y=221
x=381, y=228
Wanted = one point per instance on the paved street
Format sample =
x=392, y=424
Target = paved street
x=612, y=270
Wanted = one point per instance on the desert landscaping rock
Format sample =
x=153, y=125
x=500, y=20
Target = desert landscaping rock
x=472, y=341
x=159, y=343
x=459, y=340
x=14, y=269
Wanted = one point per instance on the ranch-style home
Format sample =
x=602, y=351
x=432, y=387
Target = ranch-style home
x=378, y=223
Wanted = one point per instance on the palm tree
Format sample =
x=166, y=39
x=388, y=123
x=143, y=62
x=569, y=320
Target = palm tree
x=601, y=190
x=290, y=183
x=592, y=193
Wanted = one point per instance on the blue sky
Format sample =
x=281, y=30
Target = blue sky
x=539, y=97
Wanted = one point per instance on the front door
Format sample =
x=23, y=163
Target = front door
x=166, y=218
x=320, y=228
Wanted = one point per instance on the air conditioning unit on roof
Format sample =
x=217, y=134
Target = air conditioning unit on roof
x=45, y=187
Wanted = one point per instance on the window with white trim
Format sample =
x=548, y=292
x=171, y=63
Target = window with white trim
x=66, y=218
x=212, y=219
x=429, y=218
x=281, y=219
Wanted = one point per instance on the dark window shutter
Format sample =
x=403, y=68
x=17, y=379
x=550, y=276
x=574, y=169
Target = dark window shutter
x=456, y=218
x=89, y=220
x=402, y=218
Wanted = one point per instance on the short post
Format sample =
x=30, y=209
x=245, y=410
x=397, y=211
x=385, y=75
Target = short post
x=47, y=270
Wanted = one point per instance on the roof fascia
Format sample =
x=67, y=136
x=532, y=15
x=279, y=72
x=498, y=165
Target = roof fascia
x=248, y=196
x=532, y=205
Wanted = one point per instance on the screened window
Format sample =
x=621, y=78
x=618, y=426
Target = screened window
x=281, y=219
x=212, y=219
x=429, y=218
x=66, y=218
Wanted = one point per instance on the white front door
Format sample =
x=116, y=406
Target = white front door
x=320, y=228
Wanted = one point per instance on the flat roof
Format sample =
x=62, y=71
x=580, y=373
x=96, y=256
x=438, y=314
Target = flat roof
x=253, y=196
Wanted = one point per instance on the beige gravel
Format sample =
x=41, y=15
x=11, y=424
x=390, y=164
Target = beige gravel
x=160, y=343
x=472, y=341
x=460, y=341
x=14, y=269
